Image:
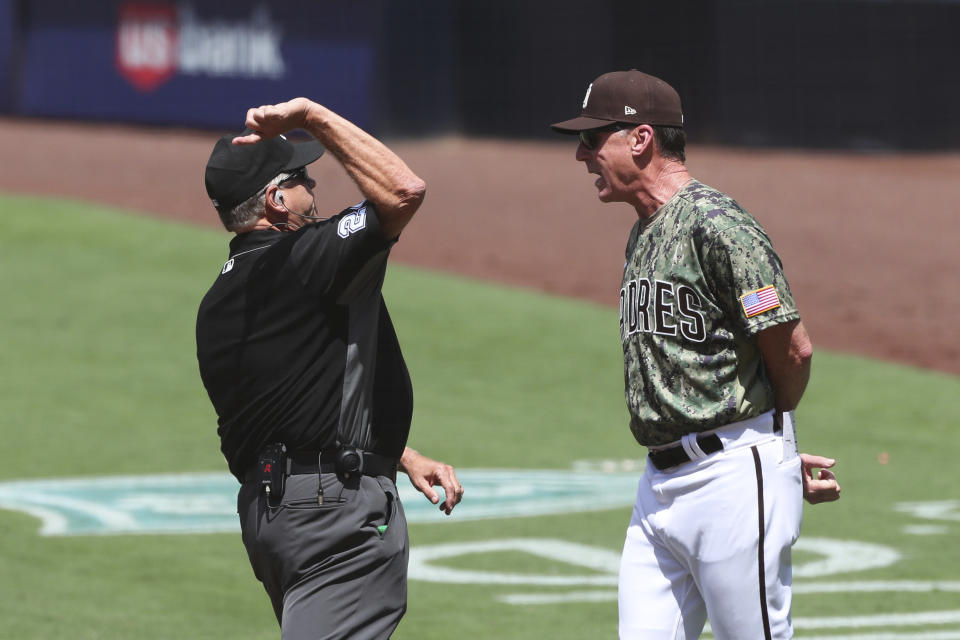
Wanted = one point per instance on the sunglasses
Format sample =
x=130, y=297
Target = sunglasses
x=590, y=138
x=296, y=174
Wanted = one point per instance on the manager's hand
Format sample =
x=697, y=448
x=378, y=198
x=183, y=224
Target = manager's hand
x=823, y=487
x=425, y=474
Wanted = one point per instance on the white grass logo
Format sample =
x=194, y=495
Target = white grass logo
x=206, y=502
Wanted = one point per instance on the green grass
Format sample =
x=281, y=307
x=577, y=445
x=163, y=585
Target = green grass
x=99, y=378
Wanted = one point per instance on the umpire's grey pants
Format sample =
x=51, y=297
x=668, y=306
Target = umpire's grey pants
x=328, y=569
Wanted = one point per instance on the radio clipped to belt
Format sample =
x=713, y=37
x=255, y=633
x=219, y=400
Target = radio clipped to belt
x=272, y=464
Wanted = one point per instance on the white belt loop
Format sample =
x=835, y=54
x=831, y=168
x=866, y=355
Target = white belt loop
x=789, y=434
x=692, y=447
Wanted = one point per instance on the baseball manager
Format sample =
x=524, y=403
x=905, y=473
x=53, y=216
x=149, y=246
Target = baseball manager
x=299, y=356
x=716, y=359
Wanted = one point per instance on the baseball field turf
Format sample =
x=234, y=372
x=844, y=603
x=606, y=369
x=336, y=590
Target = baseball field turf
x=117, y=514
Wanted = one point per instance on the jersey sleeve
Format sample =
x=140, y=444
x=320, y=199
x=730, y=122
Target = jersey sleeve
x=747, y=277
x=343, y=257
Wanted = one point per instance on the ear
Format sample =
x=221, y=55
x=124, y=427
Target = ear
x=273, y=213
x=641, y=140
x=272, y=204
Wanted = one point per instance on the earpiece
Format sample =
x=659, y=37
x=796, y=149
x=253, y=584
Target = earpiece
x=278, y=196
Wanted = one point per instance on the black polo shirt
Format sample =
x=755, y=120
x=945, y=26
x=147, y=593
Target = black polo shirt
x=295, y=344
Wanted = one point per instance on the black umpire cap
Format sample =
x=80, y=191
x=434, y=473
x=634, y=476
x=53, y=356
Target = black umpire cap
x=237, y=171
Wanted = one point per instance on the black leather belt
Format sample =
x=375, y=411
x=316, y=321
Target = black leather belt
x=673, y=456
x=708, y=443
x=346, y=462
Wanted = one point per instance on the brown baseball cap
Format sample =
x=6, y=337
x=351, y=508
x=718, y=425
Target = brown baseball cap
x=626, y=96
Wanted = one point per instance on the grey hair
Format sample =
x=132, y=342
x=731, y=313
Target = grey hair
x=249, y=211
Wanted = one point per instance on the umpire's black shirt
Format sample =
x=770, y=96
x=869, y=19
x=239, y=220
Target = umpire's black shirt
x=295, y=344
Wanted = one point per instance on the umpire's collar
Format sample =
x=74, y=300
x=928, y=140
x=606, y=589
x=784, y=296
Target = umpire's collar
x=254, y=240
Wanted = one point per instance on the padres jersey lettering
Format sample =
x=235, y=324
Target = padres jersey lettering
x=690, y=361
x=673, y=309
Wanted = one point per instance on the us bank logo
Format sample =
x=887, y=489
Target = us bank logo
x=206, y=502
x=157, y=40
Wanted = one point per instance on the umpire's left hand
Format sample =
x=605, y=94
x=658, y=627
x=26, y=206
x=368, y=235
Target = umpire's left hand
x=425, y=473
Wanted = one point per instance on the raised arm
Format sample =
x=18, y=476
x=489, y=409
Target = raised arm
x=382, y=177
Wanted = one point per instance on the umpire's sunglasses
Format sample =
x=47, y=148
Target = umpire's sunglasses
x=296, y=174
x=590, y=138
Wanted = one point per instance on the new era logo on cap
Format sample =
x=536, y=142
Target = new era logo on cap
x=626, y=96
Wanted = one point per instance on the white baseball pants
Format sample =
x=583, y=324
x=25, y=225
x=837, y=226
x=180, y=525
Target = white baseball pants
x=711, y=538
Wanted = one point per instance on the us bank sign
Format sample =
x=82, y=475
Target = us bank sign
x=157, y=40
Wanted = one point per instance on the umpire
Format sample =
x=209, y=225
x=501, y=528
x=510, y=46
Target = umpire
x=301, y=362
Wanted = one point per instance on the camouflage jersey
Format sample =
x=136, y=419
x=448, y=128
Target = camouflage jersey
x=700, y=280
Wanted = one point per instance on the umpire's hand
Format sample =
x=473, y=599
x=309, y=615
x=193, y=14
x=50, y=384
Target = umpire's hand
x=425, y=474
x=271, y=120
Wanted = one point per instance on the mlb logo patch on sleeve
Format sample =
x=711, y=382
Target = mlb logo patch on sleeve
x=756, y=302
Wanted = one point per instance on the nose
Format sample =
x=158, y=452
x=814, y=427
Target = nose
x=582, y=154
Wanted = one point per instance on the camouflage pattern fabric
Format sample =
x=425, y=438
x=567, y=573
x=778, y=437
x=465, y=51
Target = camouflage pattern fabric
x=690, y=358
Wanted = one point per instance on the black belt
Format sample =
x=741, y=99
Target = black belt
x=346, y=462
x=708, y=443
x=673, y=456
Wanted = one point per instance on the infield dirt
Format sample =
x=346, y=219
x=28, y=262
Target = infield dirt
x=868, y=240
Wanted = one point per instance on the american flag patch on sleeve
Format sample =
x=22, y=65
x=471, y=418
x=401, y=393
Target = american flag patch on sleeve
x=756, y=302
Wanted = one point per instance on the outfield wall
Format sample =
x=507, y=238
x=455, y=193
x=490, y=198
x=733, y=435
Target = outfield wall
x=814, y=73
x=7, y=65
x=193, y=63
